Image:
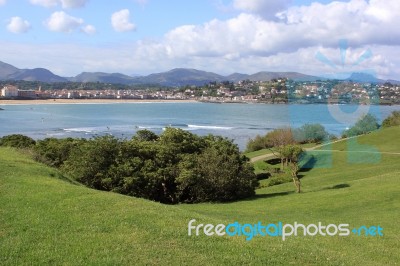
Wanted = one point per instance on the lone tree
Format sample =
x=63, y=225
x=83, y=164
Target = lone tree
x=293, y=153
x=278, y=139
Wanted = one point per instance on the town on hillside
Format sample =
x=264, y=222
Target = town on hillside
x=275, y=91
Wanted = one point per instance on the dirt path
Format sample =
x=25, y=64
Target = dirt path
x=271, y=155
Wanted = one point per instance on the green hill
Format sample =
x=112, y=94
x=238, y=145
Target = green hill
x=47, y=219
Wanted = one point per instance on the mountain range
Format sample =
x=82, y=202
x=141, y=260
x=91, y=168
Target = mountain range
x=172, y=78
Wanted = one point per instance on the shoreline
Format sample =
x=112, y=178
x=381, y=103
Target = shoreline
x=88, y=101
x=121, y=101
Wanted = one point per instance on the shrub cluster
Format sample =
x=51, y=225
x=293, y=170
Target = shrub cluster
x=392, y=120
x=176, y=166
x=308, y=133
x=365, y=124
x=17, y=141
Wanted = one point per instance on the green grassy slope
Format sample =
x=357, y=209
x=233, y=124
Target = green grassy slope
x=45, y=219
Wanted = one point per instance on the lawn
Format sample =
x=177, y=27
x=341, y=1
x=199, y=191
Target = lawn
x=47, y=219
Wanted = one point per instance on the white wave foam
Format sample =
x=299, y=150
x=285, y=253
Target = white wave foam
x=80, y=129
x=210, y=127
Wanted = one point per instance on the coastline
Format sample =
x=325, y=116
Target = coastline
x=88, y=101
x=116, y=101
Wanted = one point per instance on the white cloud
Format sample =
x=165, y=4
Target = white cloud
x=360, y=22
x=89, y=29
x=121, y=21
x=18, y=25
x=63, y=3
x=62, y=22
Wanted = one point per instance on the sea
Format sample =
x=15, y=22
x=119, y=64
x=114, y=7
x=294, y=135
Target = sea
x=236, y=121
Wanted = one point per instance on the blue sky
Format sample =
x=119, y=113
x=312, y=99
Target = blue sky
x=223, y=36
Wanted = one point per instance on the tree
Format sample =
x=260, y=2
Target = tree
x=89, y=163
x=277, y=140
x=310, y=133
x=17, y=141
x=293, y=153
x=145, y=135
x=218, y=173
x=54, y=152
x=258, y=143
x=365, y=124
x=280, y=137
x=392, y=120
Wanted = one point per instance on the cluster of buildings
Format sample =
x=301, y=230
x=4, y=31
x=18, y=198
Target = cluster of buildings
x=345, y=92
x=274, y=91
x=112, y=94
x=11, y=91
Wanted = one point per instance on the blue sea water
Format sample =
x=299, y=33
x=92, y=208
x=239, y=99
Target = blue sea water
x=235, y=121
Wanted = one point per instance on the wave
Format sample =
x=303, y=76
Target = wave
x=210, y=127
x=80, y=129
x=55, y=134
x=159, y=127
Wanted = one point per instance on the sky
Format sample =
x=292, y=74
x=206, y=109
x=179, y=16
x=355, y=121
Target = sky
x=222, y=36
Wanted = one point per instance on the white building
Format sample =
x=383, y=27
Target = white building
x=9, y=91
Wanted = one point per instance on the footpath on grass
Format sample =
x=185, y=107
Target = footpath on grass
x=272, y=155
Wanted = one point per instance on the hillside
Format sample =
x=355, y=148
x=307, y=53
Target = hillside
x=9, y=72
x=180, y=77
x=37, y=74
x=102, y=77
x=46, y=219
x=6, y=70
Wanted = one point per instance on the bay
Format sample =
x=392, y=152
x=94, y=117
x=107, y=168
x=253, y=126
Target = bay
x=239, y=122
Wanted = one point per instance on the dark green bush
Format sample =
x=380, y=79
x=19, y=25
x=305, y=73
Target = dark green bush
x=365, y=124
x=258, y=143
x=310, y=133
x=17, y=141
x=218, y=173
x=145, y=135
x=392, y=120
x=276, y=137
x=54, y=152
x=90, y=162
x=178, y=166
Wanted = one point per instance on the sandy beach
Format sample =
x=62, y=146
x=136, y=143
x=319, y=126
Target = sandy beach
x=89, y=101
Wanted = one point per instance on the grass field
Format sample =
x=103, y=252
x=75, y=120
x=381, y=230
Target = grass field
x=46, y=219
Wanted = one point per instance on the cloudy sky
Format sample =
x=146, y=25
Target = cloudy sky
x=223, y=36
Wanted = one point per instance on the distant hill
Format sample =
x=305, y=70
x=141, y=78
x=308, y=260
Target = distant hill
x=102, y=77
x=180, y=77
x=266, y=76
x=172, y=78
x=235, y=77
x=364, y=77
x=9, y=72
x=36, y=74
